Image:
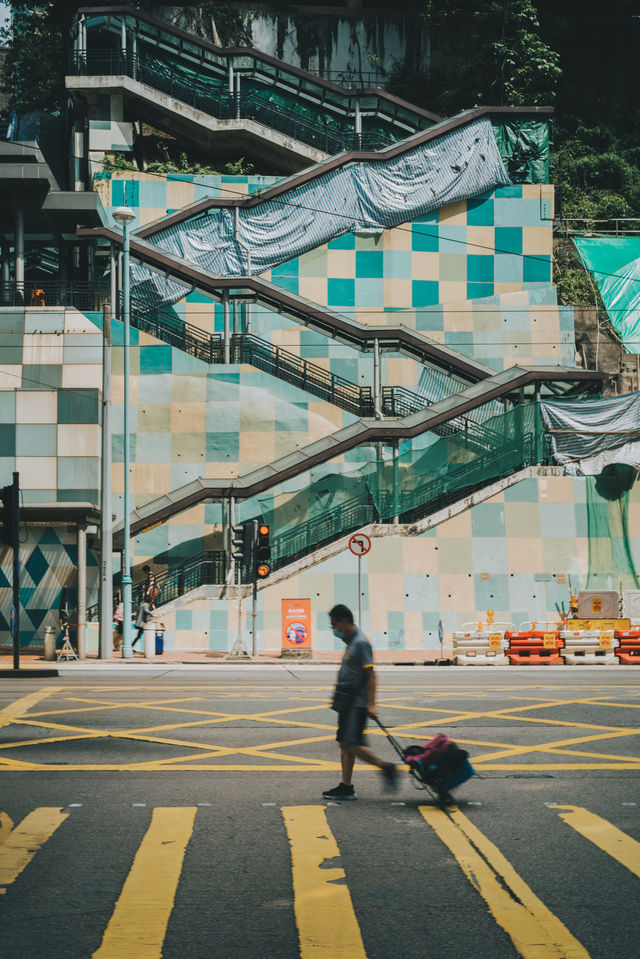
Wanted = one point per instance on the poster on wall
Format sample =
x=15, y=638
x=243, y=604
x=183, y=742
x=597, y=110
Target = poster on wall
x=296, y=624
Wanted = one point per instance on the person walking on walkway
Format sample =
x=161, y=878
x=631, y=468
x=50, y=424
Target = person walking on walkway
x=354, y=699
x=150, y=587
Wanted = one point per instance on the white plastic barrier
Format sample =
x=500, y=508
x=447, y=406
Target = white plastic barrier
x=589, y=647
x=480, y=647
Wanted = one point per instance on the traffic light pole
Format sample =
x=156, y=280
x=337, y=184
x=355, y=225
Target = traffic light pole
x=15, y=537
x=254, y=592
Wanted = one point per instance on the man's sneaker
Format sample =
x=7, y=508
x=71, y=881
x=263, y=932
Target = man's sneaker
x=390, y=774
x=340, y=792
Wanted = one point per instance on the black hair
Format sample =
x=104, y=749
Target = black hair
x=341, y=612
x=146, y=569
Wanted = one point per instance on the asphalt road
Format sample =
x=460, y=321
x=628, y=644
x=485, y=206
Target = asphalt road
x=147, y=813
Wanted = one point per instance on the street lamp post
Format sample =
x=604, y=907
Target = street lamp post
x=124, y=215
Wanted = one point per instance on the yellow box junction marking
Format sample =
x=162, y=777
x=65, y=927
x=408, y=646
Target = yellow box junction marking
x=604, y=835
x=535, y=931
x=21, y=706
x=139, y=922
x=19, y=845
x=327, y=925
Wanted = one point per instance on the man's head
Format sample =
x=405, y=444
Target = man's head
x=146, y=569
x=342, y=622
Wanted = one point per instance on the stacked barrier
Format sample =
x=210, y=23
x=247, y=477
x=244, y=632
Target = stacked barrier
x=533, y=647
x=628, y=651
x=480, y=647
x=589, y=647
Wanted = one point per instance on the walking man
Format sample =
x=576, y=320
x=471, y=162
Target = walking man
x=354, y=699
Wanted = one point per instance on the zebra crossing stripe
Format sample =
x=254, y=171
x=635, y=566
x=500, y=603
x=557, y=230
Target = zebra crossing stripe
x=139, y=921
x=327, y=925
x=535, y=931
x=19, y=844
x=604, y=835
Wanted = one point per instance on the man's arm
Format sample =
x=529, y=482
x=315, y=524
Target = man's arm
x=371, y=690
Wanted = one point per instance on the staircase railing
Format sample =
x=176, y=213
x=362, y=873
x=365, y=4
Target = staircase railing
x=205, y=97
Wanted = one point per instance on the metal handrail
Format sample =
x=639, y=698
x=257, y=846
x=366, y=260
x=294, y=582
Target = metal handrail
x=221, y=104
x=85, y=295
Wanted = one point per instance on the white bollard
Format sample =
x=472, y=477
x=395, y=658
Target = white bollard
x=149, y=639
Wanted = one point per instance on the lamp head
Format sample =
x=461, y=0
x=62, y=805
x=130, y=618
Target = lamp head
x=123, y=215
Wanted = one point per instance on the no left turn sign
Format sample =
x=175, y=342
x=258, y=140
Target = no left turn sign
x=359, y=544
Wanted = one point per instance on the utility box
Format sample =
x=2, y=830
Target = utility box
x=632, y=605
x=598, y=604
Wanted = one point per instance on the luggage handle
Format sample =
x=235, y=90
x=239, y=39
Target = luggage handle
x=394, y=742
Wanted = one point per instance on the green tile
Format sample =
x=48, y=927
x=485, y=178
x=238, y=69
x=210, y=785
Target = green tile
x=43, y=376
x=78, y=406
x=36, y=440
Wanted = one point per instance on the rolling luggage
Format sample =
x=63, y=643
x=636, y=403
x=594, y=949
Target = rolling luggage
x=438, y=765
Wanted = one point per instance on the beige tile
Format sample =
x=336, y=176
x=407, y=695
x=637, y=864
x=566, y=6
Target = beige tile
x=79, y=439
x=454, y=555
x=189, y=417
x=179, y=194
x=314, y=288
x=537, y=240
x=10, y=377
x=501, y=288
x=454, y=214
x=397, y=294
x=42, y=348
x=456, y=592
x=480, y=239
x=75, y=322
x=425, y=266
x=36, y=406
x=451, y=291
x=458, y=527
x=386, y=591
x=398, y=239
x=341, y=264
x=153, y=478
x=37, y=472
x=402, y=371
x=80, y=376
x=257, y=447
x=524, y=554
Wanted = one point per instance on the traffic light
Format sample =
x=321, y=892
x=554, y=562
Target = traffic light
x=263, y=552
x=9, y=515
x=238, y=543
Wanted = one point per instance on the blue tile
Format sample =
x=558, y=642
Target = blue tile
x=492, y=593
x=36, y=440
x=369, y=292
x=487, y=519
x=397, y=265
x=507, y=268
x=183, y=619
x=453, y=239
x=7, y=407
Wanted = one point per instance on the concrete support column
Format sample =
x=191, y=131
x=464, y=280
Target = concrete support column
x=377, y=381
x=82, y=592
x=19, y=250
x=396, y=483
x=123, y=36
x=227, y=327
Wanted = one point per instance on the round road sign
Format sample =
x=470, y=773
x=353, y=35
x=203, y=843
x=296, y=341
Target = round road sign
x=359, y=544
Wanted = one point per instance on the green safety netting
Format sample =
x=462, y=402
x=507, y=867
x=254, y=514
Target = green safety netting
x=524, y=147
x=407, y=486
x=614, y=263
x=611, y=563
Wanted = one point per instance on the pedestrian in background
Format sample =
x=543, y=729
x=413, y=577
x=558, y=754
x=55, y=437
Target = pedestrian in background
x=118, y=617
x=354, y=699
x=150, y=587
x=144, y=615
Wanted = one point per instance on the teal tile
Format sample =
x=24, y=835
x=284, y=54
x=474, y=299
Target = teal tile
x=478, y=291
x=425, y=237
x=183, y=618
x=536, y=269
x=369, y=263
x=8, y=440
x=78, y=406
x=222, y=446
x=7, y=407
x=290, y=283
x=508, y=239
x=480, y=212
x=36, y=440
x=7, y=467
x=78, y=472
x=76, y=495
x=10, y=348
x=346, y=242
x=12, y=321
x=43, y=321
x=155, y=359
x=424, y=293
x=479, y=269
x=43, y=376
x=341, y=292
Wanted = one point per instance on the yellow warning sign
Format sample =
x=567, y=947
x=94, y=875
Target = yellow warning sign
x=600, y=624
x=495, y=640
x=606, y=640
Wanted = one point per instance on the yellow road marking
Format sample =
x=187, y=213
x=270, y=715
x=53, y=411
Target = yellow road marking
x=603, y=834
x=327, y=925
x=20, y=844
x=139, y=921
x=535, y=931
x=21, y=706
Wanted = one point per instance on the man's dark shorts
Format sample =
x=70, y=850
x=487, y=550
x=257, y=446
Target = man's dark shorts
x=351, y=724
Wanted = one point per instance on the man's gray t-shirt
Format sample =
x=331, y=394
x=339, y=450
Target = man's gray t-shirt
x=355, y=664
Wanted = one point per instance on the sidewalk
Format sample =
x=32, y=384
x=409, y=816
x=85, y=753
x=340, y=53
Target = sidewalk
x=400, y=657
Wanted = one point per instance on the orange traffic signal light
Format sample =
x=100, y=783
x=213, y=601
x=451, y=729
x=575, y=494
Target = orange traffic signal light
x=263, y=552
